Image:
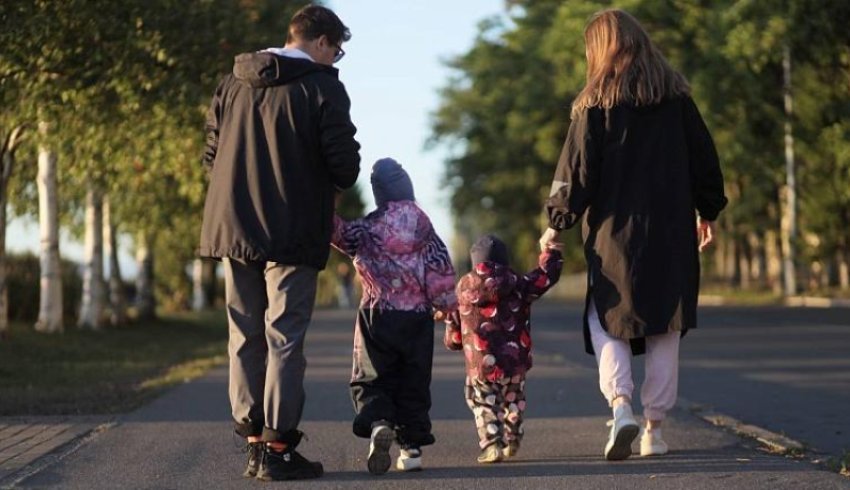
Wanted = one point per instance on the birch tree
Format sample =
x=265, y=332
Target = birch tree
x=93, y=308
x=50, y=318
x=9, y=146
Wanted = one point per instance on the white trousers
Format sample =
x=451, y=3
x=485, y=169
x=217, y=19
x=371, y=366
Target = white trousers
x=614, y=357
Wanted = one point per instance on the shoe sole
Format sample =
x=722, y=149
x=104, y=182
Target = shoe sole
x=622, y=447
x=379, y=454
x=305, y=474
x=402, y=467
x=652, y=453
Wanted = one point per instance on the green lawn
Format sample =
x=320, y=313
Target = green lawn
x=110, y=371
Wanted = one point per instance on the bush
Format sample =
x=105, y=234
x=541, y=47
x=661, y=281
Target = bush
x=22, y=276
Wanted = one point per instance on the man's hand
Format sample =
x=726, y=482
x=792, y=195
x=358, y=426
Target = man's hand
x=549, y=236
x=705, y=233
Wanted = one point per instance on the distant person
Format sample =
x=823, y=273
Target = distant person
x=639, y=164
x=406, y=275
x=280, y=143
x=492, y=327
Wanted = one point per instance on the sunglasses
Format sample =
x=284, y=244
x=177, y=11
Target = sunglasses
x=338, y=54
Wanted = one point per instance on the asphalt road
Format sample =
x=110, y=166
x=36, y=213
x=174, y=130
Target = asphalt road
x=783, y=369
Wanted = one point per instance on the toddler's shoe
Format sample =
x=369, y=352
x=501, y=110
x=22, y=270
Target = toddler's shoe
x=255, y=451
x=491, y=454
x=511, y=449
x=409, y=459
x=379, y=448
x=651, y=443
x=624, y=429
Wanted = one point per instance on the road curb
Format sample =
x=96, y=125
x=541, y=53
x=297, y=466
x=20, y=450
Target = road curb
x=791, y=301
x=54, y=456
x=776, y=443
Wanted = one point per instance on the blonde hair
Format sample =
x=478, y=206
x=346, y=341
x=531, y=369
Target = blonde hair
x=623, y=66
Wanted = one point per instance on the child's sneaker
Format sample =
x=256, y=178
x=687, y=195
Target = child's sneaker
x=491, y=454
x=511, y=449
x=624, y=429
x=379, y=449
x=651, y=443
x=409, y=459
x=254, y=450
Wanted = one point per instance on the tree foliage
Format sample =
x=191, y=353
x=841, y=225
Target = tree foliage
x=125, y=86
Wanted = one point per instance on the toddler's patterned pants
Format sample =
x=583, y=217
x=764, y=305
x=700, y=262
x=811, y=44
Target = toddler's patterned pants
x=498, y=408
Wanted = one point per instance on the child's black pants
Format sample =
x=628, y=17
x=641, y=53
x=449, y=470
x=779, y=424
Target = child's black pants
x=391, y=376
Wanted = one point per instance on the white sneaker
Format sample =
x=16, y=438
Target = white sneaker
x=624, y=429
x=409, y=460
x=651, y=443
x=379, y=449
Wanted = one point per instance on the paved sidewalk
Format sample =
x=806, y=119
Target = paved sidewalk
x=24, y=440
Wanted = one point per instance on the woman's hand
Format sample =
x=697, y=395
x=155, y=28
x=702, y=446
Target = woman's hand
x=549, y=236
x=705, y=233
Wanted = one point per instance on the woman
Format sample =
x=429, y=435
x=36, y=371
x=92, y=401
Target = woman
x=639, y=160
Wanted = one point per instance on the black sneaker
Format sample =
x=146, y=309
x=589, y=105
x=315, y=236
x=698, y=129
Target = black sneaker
x=287, y=465
x=255, y=455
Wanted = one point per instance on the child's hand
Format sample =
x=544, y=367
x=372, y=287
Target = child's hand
x=548, y=236
x=453, y=339
x=559, y=246
x=439, y=316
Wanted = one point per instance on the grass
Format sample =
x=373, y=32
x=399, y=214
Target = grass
x=110, y=371
x=840, y=464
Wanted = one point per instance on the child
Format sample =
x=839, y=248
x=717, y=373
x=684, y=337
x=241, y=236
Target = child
x=493, y=329
x=406, y=273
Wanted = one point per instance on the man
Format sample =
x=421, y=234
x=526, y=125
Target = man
x=280, y=144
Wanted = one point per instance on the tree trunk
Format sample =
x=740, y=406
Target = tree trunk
x=50, y=302
x=744, y=267
x=145, y=302
x=732, y=255
x=92, y=309
x=843, y=259
x=773, y=256
x=199, y=293
x=4, y=289
x=789, y=216
x=757, y=262
x=117, y=298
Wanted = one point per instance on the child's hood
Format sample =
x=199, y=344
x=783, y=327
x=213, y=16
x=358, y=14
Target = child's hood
x=494, y=281
x=403, y=228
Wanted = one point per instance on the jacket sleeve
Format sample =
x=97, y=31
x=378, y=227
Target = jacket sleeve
x=706, y=177
x=339, y=148
x=576, y=176
x=535, y=283
x=439, y=275
x=347, y=236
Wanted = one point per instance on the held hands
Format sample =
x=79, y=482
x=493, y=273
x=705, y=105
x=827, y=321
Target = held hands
x=705, y=233
x=549, y=240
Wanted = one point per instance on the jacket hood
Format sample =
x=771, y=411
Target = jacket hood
x=264, y=69
x=497, y=281
x=406, y=228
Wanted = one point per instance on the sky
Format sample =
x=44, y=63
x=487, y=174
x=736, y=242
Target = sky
x=392, y=70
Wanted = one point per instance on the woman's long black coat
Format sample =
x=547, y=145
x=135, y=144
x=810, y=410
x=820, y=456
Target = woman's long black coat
x=640, y=173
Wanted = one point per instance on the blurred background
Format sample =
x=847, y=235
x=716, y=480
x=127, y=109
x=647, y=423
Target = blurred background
x=101, y=121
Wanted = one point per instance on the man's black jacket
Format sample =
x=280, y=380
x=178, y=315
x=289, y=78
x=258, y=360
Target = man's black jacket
x=280, y=142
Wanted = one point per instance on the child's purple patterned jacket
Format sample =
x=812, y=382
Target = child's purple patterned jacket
x=492, y=325
x=403, y=264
